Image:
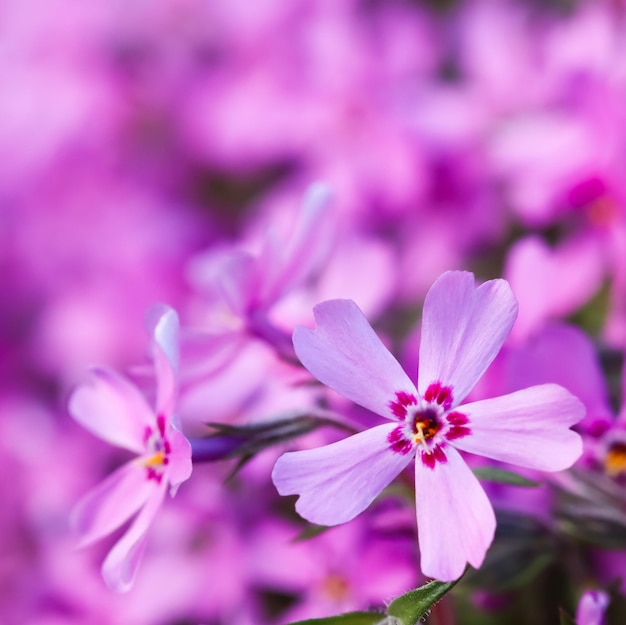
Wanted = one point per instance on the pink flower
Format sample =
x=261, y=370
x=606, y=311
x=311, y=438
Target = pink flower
x=592, y=607
x=114, y=410
x=462, y=331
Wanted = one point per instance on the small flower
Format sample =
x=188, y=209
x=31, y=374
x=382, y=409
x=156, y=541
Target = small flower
x=591, y=608
x=114, y=410
x=463, y=329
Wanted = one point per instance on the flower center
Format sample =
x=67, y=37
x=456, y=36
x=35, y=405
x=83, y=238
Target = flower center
x=158, y=450
x=615, y=460
x=336, y=587
x=426, y=425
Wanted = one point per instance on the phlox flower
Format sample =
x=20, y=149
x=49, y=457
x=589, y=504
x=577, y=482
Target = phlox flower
x=114, y=410
x=239, y=284
x=463, y=328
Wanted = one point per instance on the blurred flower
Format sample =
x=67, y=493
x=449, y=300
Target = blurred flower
x=463, y=330
x=592, y=607
x=239, y=284
x=113, y=409
x=351, y=567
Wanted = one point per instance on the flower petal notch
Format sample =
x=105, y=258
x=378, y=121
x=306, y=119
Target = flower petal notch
x=463, y=329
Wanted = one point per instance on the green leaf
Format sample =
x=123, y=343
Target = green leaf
x=491, y=474
x=565, y=618
x=351, y=618
x=310, y=531
x=415, y=604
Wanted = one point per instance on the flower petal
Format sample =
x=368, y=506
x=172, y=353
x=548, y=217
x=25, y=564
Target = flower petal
x=455, y=520
x=162, y=322
x=338, y=481
x=529, y=428
x=591, y=607
x=120, y=566
x=112, y=408
x=463, y=328
x=344, y=353
x=308, y=244
x=180, y=467
x=111, y=503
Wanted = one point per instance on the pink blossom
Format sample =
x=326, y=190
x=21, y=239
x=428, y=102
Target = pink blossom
x=591, y=608
x=114, y=410
x=462, y=331
x=238, y=285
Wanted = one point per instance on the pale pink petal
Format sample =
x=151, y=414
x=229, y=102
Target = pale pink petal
x=563, y=355
x=179, y=468
x=112, y=408
x=463, y=328
x=111, y=503
x=228, y=277
x=307, y=245
x=120, y=566
x=339, y=481
x=552, y=282
x=528, y=428
x=162, y=323
x=344, y=353
x=455, y=520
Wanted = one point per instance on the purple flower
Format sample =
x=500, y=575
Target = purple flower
x=462, y=331
x=592, y=607
x=114, y=410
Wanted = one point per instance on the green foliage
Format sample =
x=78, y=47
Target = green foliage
x=412, y=606
x=522, y=549
x=407, y=609
x=590, y=510
x=501, y=476
x=310, y=531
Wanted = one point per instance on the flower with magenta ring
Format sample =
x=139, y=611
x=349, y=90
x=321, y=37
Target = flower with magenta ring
x=463, y=328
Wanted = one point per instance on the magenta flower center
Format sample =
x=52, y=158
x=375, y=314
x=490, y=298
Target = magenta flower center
x=426, y=425
x=158, y=449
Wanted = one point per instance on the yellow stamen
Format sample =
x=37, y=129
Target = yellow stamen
x=156, y=460
x=420, y=438
x=615, y=460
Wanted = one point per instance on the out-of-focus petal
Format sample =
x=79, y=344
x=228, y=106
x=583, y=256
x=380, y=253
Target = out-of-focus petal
x=338, y=481
x=455, y=520
x=162, y=321
x=463, y=328
x=111, y=503
x=528, y=428
x=563, y=355
x=112, y=408
x=229, y=278
x=307, y=245
x=179, y=468
x=120, y=566
x=552, y=282
x=344, y=353
x=592, y=607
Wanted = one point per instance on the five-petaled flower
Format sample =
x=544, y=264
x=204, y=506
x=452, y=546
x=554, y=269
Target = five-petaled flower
x=463, y=328
x=114, y=410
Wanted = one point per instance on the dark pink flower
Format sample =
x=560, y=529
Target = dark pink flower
x=463, y=329
x=114, y=410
